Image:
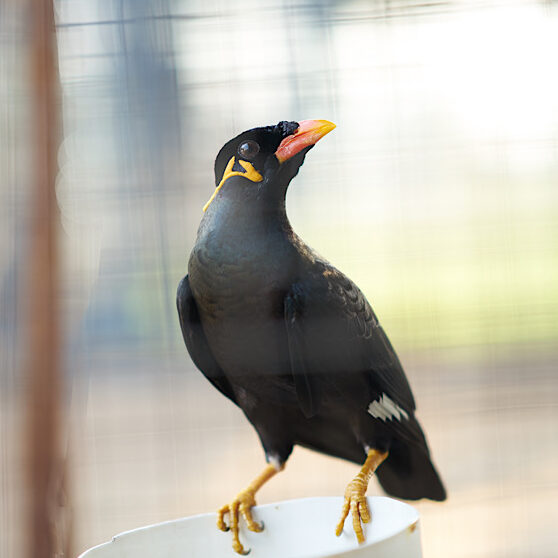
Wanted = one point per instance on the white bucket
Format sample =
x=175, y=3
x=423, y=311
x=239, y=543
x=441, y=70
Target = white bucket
x=295, y=529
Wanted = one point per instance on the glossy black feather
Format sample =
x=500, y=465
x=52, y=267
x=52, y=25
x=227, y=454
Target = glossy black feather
x=302, y=374
x=336, y=345
x=289, y=338
x=196, y=342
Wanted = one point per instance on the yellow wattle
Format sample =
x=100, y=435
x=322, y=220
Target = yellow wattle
x=250, y=173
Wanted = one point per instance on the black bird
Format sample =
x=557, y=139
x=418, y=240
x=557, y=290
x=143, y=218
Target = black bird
x=290, y=339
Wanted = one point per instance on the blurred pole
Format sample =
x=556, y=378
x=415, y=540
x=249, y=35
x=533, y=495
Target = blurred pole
x=46, y=535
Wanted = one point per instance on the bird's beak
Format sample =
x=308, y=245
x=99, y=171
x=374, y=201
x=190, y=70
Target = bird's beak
x=308, y=133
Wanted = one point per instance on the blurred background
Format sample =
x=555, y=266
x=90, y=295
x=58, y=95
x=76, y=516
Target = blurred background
x=437, y=194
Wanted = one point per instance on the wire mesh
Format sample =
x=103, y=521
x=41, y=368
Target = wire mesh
x=436, y=194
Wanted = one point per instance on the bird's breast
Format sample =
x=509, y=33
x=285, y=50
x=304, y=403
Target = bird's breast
x=240, y=296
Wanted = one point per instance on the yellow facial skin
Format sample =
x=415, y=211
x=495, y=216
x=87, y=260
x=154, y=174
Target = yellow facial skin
x=250, y=173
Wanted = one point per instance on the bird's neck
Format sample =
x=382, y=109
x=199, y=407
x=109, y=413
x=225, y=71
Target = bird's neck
x=230, y=230
x=232, y=219
x=239, y=253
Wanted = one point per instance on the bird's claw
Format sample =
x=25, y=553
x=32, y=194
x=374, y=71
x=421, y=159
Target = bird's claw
x=241, y=506
x=356, y=503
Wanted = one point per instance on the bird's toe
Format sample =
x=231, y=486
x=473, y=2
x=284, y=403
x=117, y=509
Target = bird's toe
x=344, y=514
x=246, y=512
x=357, y=525
x=221, y=518
x=241, y=506
x=364, y=511
x=356, y=503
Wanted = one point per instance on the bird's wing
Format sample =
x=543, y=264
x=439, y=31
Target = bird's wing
x=301, y=371
x=196, y=342
x=333, y=333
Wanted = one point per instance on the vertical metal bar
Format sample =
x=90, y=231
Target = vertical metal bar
x=43, y=370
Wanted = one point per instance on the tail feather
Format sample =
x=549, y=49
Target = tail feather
x=408, y=473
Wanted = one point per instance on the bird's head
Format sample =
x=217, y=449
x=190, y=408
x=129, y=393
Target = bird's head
x=259, y=163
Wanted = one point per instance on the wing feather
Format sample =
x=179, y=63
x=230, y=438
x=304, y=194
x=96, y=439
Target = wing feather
x=383, y=365
x=334, y=334
x=196, y=341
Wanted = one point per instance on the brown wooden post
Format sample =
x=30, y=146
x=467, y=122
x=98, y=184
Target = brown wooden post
x=46, y=534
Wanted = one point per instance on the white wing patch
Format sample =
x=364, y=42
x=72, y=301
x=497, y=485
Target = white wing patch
x=386, y=409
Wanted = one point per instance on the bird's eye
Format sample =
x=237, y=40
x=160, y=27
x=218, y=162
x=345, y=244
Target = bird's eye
x=248, y=149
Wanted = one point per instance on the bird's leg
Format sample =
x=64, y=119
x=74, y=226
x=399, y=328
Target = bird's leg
x=355, y=494
x=242, y=505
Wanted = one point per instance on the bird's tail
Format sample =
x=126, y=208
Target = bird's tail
x=408, y=473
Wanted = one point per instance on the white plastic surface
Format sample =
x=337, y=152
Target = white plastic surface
x=294, y=529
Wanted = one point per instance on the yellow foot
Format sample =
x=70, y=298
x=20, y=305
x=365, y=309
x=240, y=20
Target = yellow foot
x=355, y=494
x=241, y=505
x=355, y=502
